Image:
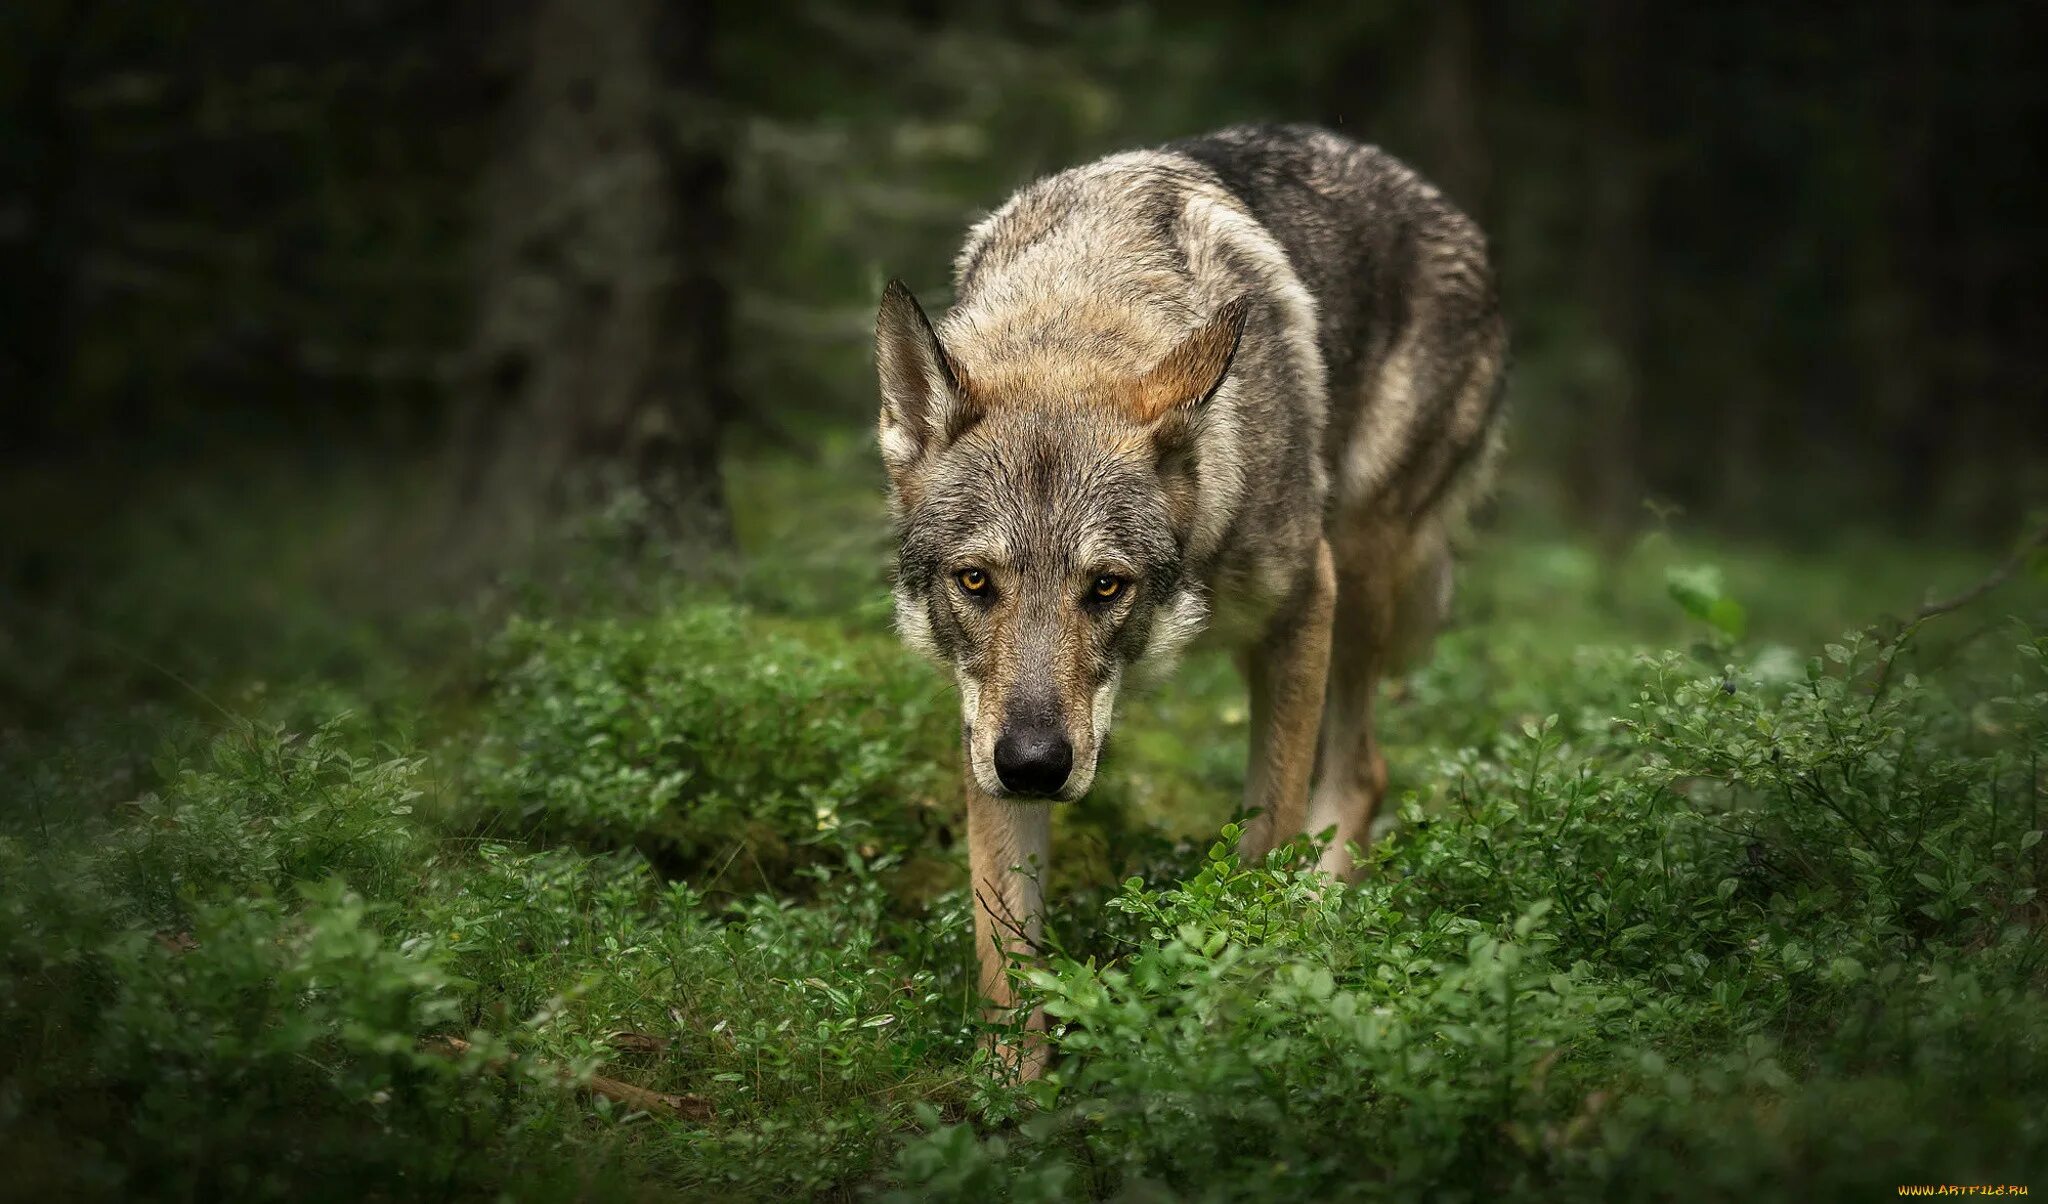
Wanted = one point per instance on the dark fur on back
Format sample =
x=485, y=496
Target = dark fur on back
x=1383, y=253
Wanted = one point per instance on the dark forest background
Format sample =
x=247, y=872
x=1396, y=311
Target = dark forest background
x=452, y=745
x=1778, y=267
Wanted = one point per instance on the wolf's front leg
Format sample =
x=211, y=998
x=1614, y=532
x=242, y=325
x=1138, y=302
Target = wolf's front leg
x=1007, y=847
x=1287, y=672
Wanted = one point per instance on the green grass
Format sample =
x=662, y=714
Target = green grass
x=1671, y=912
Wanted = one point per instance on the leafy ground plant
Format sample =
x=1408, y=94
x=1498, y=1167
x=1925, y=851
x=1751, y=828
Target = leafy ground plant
x=1604, y=962
x=1674, y=909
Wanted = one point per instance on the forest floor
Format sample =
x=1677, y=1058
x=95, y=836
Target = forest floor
x=1711, y=879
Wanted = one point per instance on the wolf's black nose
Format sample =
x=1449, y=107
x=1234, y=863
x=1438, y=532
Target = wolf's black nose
x=1034, y=760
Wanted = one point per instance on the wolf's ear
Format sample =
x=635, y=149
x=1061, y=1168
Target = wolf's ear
x=924, y=397
x=1192, y=372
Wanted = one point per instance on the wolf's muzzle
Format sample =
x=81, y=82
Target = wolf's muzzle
x=1034, y=760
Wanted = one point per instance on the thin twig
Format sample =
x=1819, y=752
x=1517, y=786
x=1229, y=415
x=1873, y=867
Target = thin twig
x=1933, y=608
x=49, y=614
x=640, y=1099
x=1999, y=576
x=1007, y=919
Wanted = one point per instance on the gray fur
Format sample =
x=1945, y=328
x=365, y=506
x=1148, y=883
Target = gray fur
x=1364, y=390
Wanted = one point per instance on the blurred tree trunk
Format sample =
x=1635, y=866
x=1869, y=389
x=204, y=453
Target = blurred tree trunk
x=1454, y=141
x=39, y=300
x=1895, y=271
x=1607, y=480
x=601, y=359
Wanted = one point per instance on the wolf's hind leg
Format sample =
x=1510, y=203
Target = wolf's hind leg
x=1392, y=590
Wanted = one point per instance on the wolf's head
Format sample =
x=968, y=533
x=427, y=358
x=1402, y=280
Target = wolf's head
x=1043, y=508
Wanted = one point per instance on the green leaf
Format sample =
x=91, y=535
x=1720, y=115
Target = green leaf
x=1698, y=589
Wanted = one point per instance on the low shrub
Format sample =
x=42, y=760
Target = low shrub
x=1714, y=923
x=714, y=740
x=1666, y=950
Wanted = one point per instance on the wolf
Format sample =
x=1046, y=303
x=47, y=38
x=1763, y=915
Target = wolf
x=1243, y=387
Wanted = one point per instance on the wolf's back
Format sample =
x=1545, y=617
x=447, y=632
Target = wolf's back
x=1404, y=291
x=1362, y=229
x=1377, y=323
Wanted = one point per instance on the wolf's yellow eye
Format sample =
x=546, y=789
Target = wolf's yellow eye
x=974, y=581
x=1107, y=587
